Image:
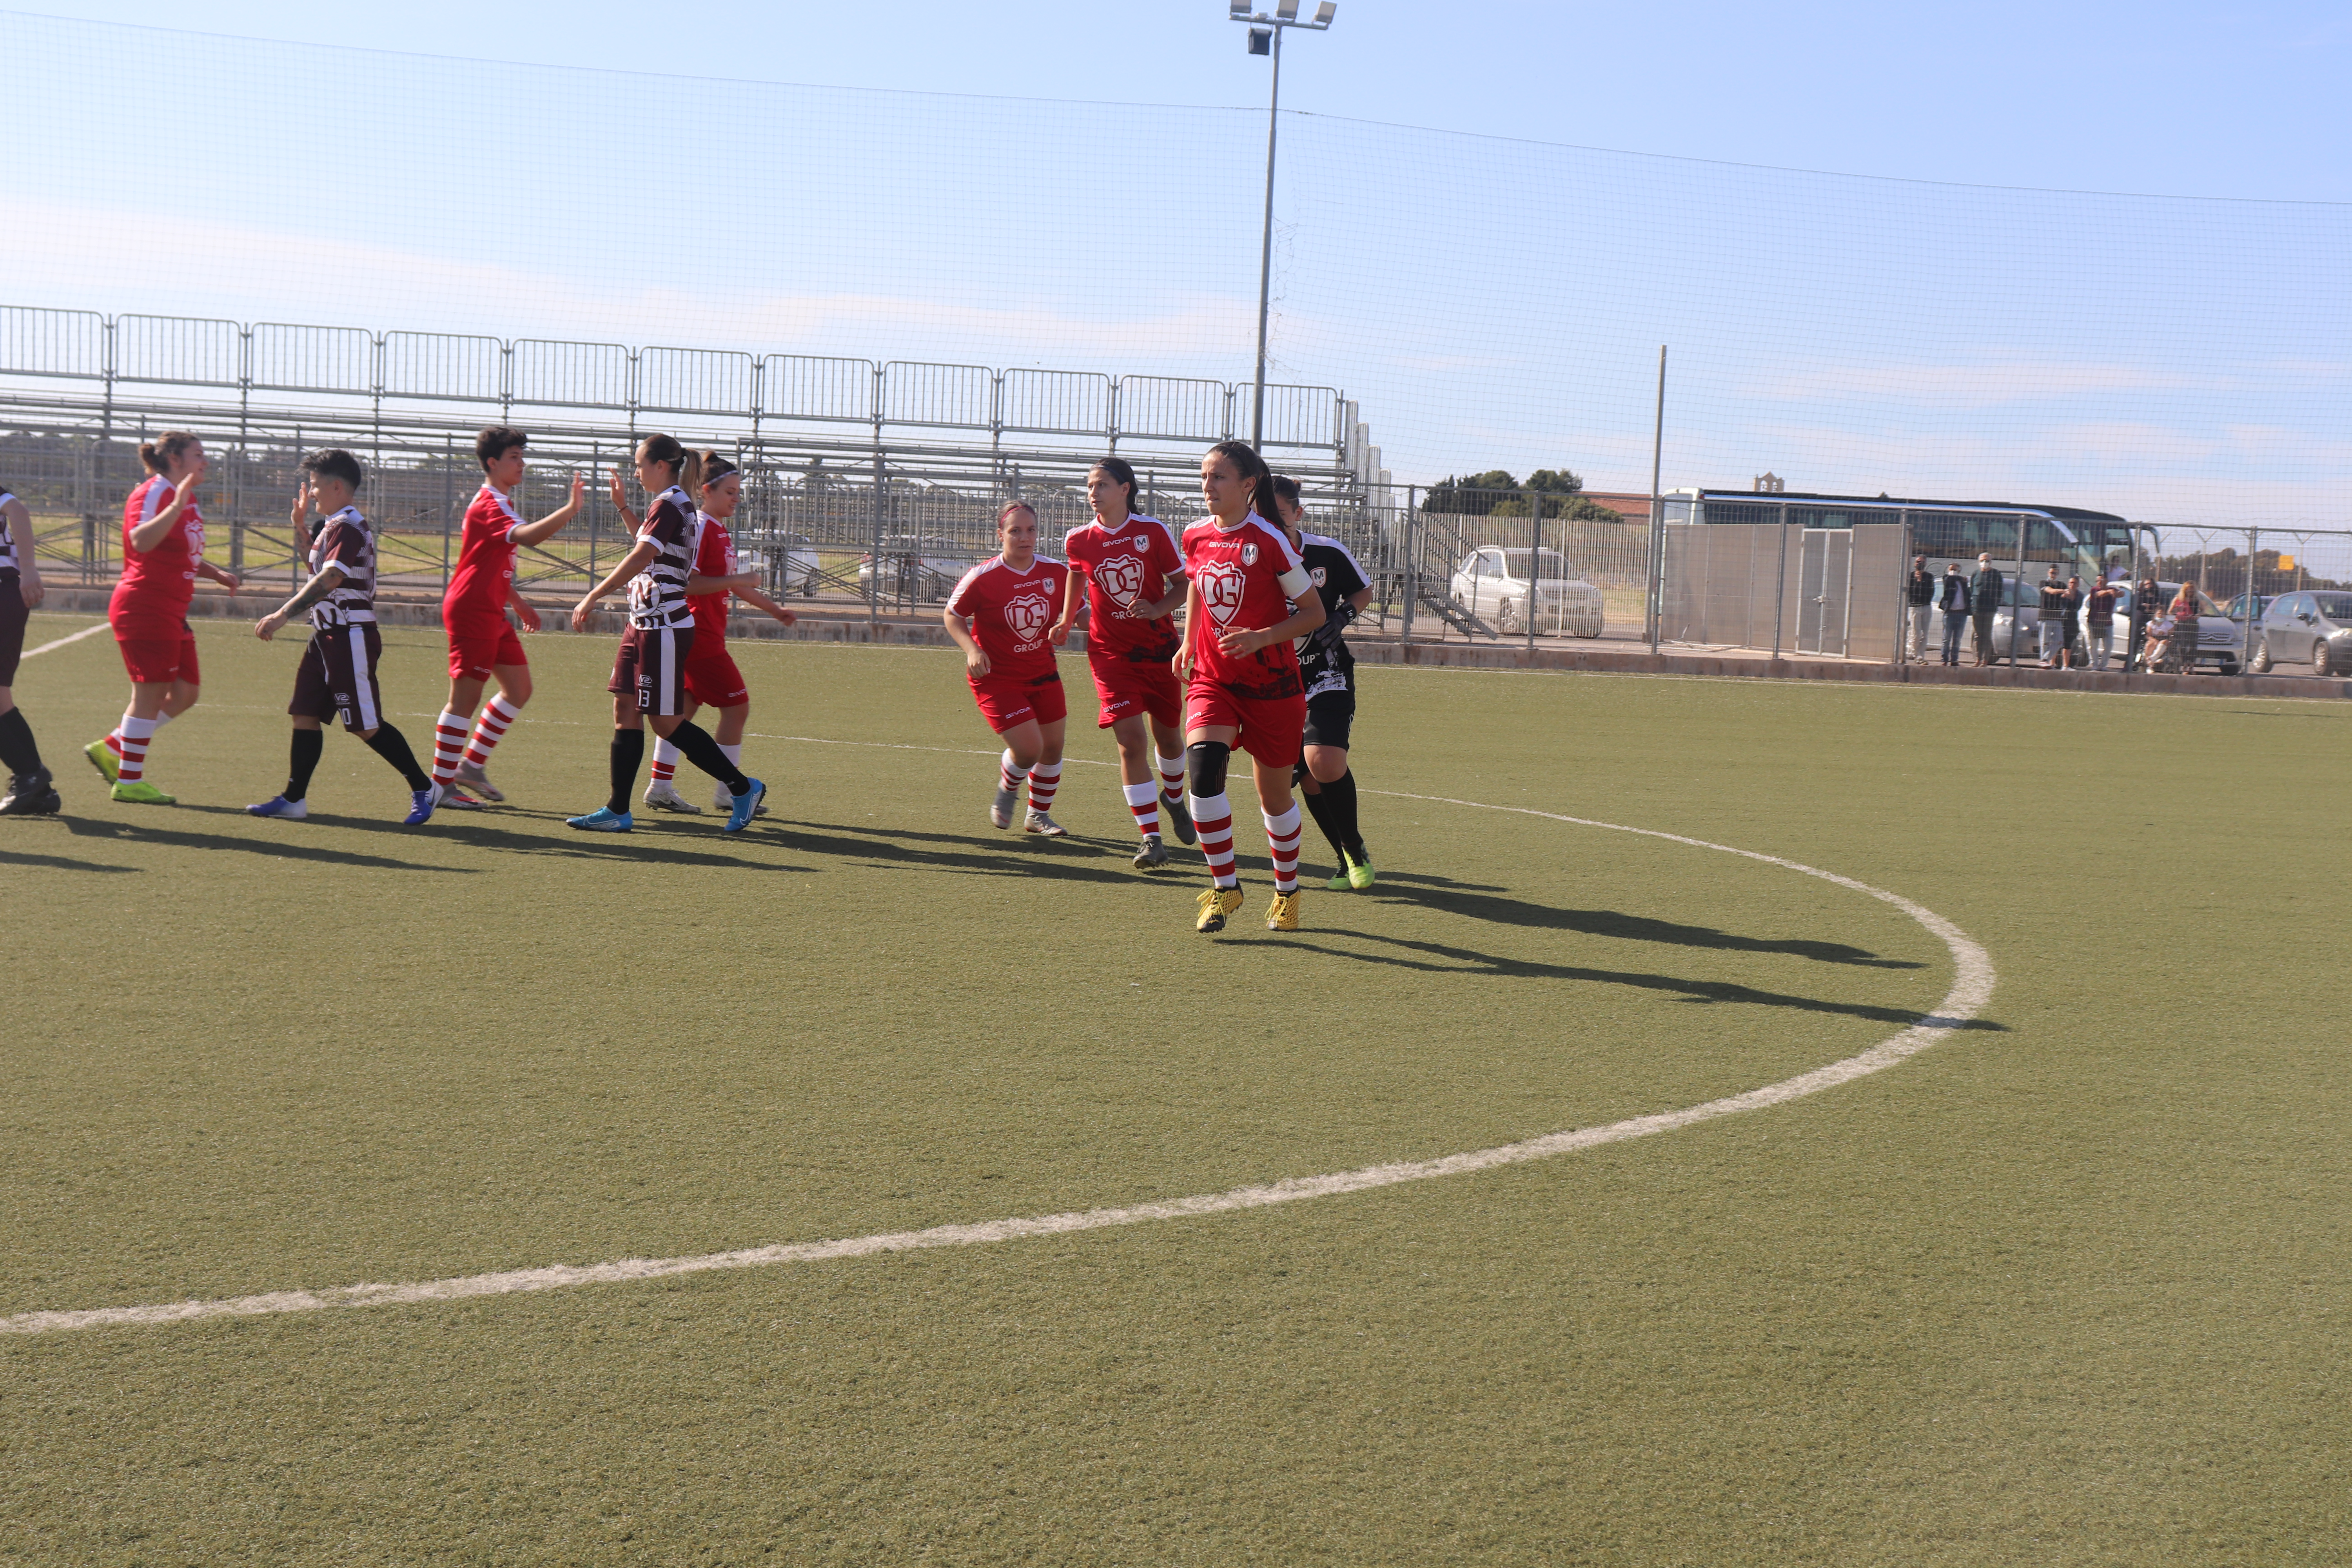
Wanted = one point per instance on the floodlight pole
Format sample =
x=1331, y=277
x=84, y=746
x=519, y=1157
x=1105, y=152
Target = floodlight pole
x=1284, y=18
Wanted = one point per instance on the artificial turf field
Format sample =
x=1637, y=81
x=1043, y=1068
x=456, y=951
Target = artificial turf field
x=2067, y=1288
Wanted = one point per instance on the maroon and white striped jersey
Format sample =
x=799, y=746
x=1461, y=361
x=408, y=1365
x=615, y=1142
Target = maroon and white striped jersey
x=346, y=543
x=658, y=593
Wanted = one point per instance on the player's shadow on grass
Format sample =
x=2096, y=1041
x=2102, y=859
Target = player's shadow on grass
x=479, y=831
x=1642, y=928
x=1065, y=860
x=61, y=863
x=181, y=838
x=1465, y=961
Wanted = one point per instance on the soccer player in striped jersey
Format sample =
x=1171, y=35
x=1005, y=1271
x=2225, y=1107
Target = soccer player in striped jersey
x=648, y=680
x=30, y=792
x=482, y=645
x=1240, y=669
x=1002, y=615
x=1125, y=567
x=162, y=556
x=711, y=678
x=1328, y=671
x=337, y=675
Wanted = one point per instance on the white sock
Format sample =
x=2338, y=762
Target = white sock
x=665, y=752
x=734, y=753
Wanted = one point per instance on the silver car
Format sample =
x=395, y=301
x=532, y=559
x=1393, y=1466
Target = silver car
x=2312, y=627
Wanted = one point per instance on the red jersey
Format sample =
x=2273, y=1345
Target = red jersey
x=1122, y=568
x=486, y=559
x=159, y=582
x=1011, y=614
x=1247, y=577
x=714, y=556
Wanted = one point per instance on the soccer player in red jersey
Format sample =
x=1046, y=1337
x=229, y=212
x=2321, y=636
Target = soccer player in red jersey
x=337, y=675
x=650, y=674
x=30, y=791
x=162, y=556
x=1250, y=595
x=482, y=645
x=711, y=678
x=1002, y=615
x=1126, y=568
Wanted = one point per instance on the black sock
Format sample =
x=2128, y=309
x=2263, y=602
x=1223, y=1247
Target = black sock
x=18, y=754
x=1318, y=806
x=308, y=746
x=393, y=747
x=695, y=744
x=628, y=751
x=1338, y=817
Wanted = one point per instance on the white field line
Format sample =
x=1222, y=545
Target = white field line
x=73, y=637
x=1973, y=984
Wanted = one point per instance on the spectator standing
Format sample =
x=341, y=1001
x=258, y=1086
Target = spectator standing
x=2147, y=603
x=2070, y=629
x=1955, y=605
x=2050, y=618
x=1984, y=598
x=2183, y=643
x=2099, y=622
x=1919, y=602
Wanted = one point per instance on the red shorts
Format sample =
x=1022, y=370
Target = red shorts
x=1131, y=686
x=478, y=647
x=1270, y=726
x=711, y=678
x=1008, y=703
x=153, y=661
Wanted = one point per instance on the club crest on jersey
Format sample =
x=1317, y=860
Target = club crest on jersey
x=1249, y=554
x=1220, y=586
x=1122, y=579
x=1319, y=576
x=1027, y=616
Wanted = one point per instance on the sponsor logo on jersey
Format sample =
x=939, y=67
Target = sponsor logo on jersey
x=1028, y=613
x=1122, y=579
x=1221, y=585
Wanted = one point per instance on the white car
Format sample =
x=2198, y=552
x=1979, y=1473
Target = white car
x=1492, y=585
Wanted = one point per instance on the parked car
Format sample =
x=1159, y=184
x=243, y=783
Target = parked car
x=917, y=568
x=2237, y=608
x=2314, y=628
x=2220, y=642
x=1492, y=585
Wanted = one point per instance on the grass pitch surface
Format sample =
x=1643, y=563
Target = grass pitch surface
x=2067, y=1288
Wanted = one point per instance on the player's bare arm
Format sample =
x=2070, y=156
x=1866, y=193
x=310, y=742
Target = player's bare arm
x=227, y=579
x=1307, y=614
x=1182, y=662
x=975, y=662
x=1072, y=597
x=752, y=596
x=545, y=528
x=525, y=614
x=330, y=578
x=150, y=533
x=639, y=557
x=28, y=572
x=1167, y=604
x=698, y=583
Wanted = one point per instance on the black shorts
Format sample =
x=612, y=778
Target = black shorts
x=336, y=679
x=11, y=626
x=1329, y=716
x=651, y=666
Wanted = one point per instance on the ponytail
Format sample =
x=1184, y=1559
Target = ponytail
x=685, y=471
x=164, y=451
x=1250, y=467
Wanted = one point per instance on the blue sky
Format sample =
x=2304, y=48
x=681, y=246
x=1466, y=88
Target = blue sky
x=1491, y=290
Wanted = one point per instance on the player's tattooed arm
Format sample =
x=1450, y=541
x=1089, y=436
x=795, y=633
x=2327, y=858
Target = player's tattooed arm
x=330, y=578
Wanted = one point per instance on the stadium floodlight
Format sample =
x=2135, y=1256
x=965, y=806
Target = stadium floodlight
x=1265, y=38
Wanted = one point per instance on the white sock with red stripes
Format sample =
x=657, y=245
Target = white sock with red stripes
x=1045, y=782
x=448, y=745
x=135, y=733
x=1282, y=840
x=490, y=729
x=1212, y=817
x=1171, y=779
x=666, y=758
x=1143, y=799
x=1010, y=773
x=114, y=736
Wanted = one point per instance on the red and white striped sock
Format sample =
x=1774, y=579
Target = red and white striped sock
x=1282, y=840
x=490, y=729
x=135, y=733
x=1010, y=773
x=665, y=762
x=1045, y=782
x=1143, y=799
x=448, y=745
x=1171, y=779
x=1213, y=819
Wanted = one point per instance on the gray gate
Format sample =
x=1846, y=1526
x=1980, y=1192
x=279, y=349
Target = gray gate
x=1825, y=584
